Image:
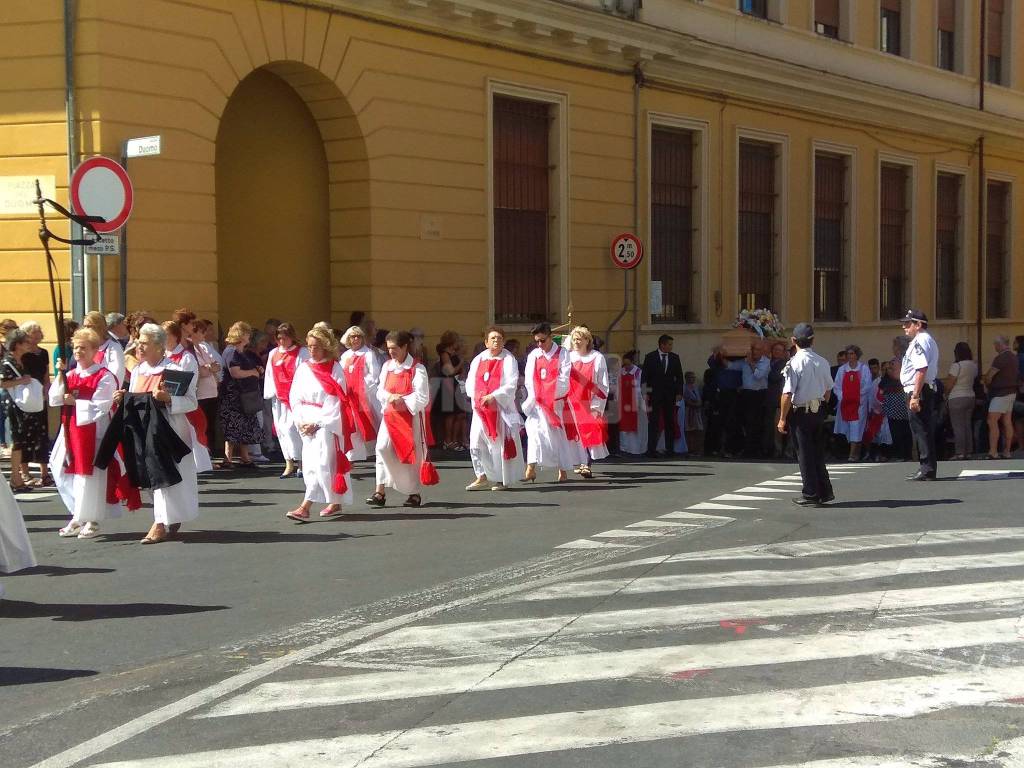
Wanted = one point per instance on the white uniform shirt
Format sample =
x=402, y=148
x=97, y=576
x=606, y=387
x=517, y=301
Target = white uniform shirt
x=807, y=377
x=923, y=352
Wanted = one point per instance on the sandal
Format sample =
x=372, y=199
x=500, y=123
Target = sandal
x=414, y=500
x=225, y=464
x=585, y=472
x=299, y=515
x=377, y=500
x=331, y=511
x=47, y=482
x=71, y=529
x=23, y=488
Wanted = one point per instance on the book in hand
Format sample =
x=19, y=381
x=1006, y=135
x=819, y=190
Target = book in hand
x=176, y=383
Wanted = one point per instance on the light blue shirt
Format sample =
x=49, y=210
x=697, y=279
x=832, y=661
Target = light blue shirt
x=755, y=378
x=807, y=377
x=923, y=353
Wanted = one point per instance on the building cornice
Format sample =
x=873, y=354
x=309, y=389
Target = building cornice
x=719, y=53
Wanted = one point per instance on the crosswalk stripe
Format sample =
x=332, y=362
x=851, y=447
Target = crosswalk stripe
x=781, y=483
x=623, y=534
x=655, y=663
x=707, y=519
x=845, y=703
x=588, y=544
x=662, y=524
x=823, y=575
x=741, y=497
x=701, y=614
x=989, y=474
x=759, y=489
x=1010, y=754
x=713, y=505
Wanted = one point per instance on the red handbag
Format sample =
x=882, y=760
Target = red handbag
x=428, y=472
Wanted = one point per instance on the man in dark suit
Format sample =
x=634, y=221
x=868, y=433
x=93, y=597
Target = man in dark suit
x=662, y=379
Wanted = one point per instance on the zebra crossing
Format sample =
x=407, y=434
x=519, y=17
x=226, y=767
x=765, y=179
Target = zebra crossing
x=784, y=644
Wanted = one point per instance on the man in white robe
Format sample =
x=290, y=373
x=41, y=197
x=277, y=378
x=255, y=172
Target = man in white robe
x=494, y=448
x=547, y=375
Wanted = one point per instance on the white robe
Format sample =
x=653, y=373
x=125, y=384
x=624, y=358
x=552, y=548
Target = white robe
x=391, y=473
x=546, y=446
x=634, y=442
x=581, y=455
x=180, y=502
x=189, y=362
x=85, y=496
x=853, y=430
x=371, y=375
x=488, y=455
x=284, y=424
x=15, y=549
x=312, y=405
x=113, y=359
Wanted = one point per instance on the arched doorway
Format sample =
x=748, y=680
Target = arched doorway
x=281, y=222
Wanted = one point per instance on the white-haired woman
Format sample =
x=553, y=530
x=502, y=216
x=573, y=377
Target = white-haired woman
x=85, y=399
x=494, y=445
x=588, y=396
x=282, y=363
x=317, y=400
x=178, y=503
x=361, y=368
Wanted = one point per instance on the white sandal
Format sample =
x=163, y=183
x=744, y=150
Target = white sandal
x=71, y=529
x=90, y=531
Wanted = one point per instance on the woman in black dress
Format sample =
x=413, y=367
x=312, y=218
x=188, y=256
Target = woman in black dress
x=36, y=449
x=243, y=374
x=23, y=428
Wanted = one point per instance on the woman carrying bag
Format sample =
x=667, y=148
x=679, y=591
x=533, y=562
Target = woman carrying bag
x=243, y=398
x=24, y=407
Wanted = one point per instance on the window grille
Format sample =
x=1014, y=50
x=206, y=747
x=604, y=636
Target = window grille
x=996, y=240
x=672, y=223
x=893, y=209
x=829, y=237
x=756, y=225
x=947, y=246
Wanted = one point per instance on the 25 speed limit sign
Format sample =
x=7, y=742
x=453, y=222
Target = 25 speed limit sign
x=627, y=251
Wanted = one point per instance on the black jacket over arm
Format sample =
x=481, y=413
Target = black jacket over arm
x=152, y=448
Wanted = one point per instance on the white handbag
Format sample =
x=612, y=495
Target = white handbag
x=28, y=397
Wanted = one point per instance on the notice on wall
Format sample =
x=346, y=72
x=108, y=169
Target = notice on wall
x=18, y=193
x=107, y=245
x=654, y=298
x=430, y=227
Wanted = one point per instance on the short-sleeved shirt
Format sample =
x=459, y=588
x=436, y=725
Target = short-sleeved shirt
x=1007, y=374
x=964, y=373
x=923, y=352
x=806, y=377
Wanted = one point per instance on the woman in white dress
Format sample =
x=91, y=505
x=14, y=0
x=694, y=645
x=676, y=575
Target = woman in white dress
x=15, y=549
x=317, y=400
x=211, y=366
x=403, y=393
x=109, y=353
x=853, y=388
x=547, y=382
x=361, y=368
x=494, y=445
x=85, y=396
x=632, y=410
x=178, y=503
x=282, y=363
x=586, y=402
x=183, y=359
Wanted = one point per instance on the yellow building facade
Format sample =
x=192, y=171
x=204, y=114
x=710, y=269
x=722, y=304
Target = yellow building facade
x=325, y=156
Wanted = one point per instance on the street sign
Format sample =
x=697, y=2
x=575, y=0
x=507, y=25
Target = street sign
x=107, y=245
x=144, y=146
x=101, y=187
x=627, y=251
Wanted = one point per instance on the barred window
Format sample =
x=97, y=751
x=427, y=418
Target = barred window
x=994, y=41
x=758, y=8
x=672, y=223
x=756, y=225
x=997, y=272
x=891, y=32
x=947, y=35
x=522, y=182
x=830, y=237
x=894, y=211
x=948, y=229
x=826, y=18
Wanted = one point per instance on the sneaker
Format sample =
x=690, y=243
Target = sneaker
x=69, y=530
x=90, y=531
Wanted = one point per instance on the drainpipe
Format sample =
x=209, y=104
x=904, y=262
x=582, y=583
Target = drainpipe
x=982, y=189
x=78, y=280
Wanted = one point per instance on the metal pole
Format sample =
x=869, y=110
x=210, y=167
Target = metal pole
x=122, y=250
x=78, y=276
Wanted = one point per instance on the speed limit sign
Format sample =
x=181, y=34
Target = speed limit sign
x=627, y=251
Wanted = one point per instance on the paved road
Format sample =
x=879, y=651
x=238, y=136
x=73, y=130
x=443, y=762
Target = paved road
x=664, y=614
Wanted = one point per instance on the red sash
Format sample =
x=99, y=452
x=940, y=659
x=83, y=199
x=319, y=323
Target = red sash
x=584, y=426
x=488, y=378
x=80, y=439
x=875, y=420
x=849, y=409
x=197, y=418
x=177, y=357
x=284, y=372
x=545, y=385
x=322, y=372
x=358, y=405
x=399, y=422
x=627, y=394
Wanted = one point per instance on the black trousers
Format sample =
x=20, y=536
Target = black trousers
x=924, y=426
x=662, y=408
x=808, y=431
x=751, y=420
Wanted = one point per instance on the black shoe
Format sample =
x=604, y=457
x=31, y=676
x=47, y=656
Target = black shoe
x=921, y=475
x=651, y=454
x=803, y=501
x=827, y=499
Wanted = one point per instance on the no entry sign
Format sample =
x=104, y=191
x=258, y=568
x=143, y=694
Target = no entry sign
x=627, y=251
x=101, y=187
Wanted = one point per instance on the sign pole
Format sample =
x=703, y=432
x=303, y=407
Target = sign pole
x=122, y=252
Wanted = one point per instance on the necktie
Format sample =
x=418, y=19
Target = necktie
x=664, y=362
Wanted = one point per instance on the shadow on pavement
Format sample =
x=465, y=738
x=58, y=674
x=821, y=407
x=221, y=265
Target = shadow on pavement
x=367, y=517
x=58, y=570
x=29, y=675
x=243, y=537
x=659, y=475
x=892, y=503
x=19, y=609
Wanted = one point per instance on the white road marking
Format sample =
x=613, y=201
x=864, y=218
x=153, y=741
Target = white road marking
x=785, y=483
x=453, y=636
x=619, y=533
x=759, y=489
x=863, y=702
x=588, y=544
x=741, y=497
x=663, y=524
x=713, y=505
x=824, y=575
x=989, y=474
x=1009, y=754
x=707, y=519
x=655, y=663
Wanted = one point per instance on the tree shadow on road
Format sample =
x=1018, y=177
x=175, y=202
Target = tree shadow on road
x=30, y=675
x=20, y=609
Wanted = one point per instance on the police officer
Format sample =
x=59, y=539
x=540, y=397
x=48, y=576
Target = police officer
x=806, y=391
x=920, y=367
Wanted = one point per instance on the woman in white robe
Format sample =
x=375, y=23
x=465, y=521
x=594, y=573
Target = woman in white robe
x=632, y=408
x=86, y=397
x=586, y=402
x=109, y=353
x=182, y=359
x=178, y=503
x=494, y=445
x=547, y=382
x=282, y=364
x=15, y=549
x=361, y=368
x=317, y=401
x=403, y=393
x=853, y=388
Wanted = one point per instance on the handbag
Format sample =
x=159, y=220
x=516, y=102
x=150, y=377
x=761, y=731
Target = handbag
x=428, y=472
x=27, y=397
x=250, y=396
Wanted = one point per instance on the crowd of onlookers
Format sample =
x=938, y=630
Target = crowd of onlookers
x=728, y=411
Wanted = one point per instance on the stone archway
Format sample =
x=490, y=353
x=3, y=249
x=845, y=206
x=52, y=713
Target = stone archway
x=291, y=196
